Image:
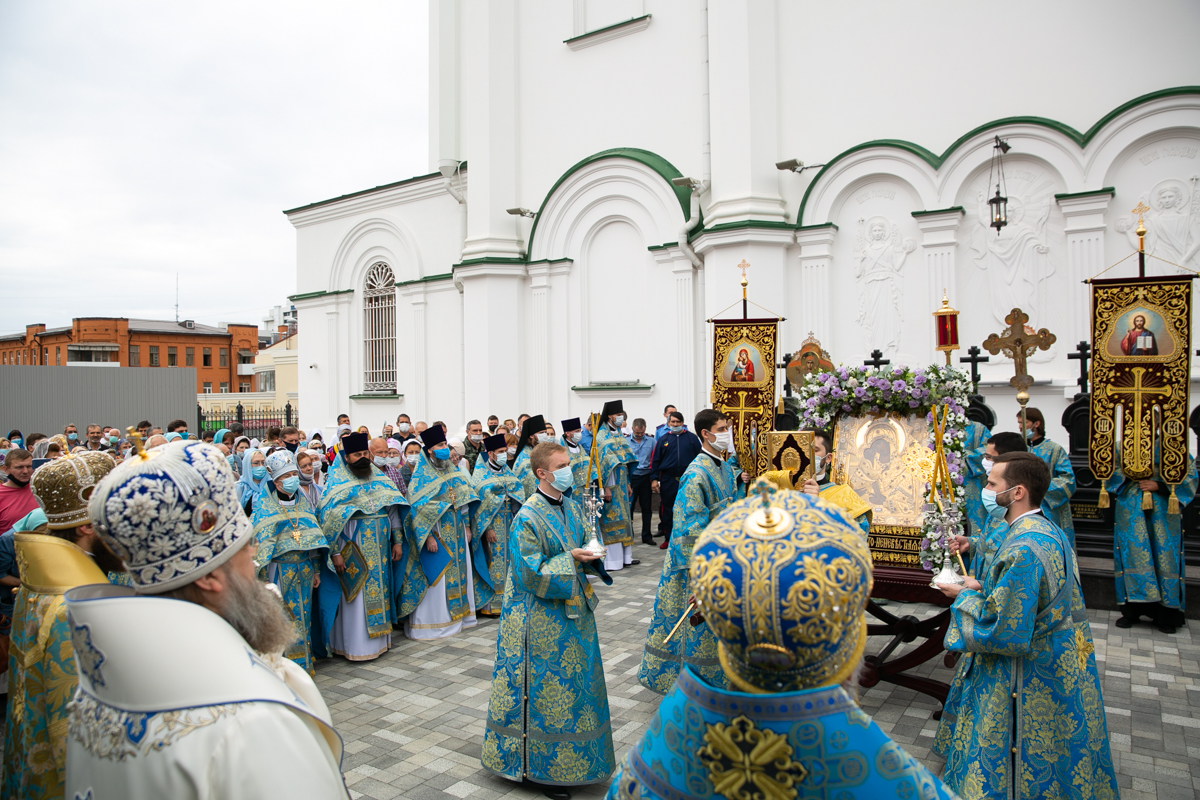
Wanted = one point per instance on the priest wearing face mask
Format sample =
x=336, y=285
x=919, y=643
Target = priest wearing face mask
x=360, y=505
x=821, y=484
x=988, y=533
x=1057, y=505
x=446, y=574
x=572, y=437
x=616, y=462
x=291, y=548
x=533, y=433
x=974, y=477
x=500, y=498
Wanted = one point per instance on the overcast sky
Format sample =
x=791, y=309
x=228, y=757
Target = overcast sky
x=138, y=139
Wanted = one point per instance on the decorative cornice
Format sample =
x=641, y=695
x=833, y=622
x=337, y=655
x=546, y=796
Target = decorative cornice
x=624, y=387
x=299, y=298
x=959, y=210
x=1107, y=190
x=608, y=33
x=413, y=183
x=389, y=397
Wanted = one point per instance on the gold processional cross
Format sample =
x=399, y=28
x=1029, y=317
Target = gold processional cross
x=1137, y=392
x=741, y=409
x=1018, y=344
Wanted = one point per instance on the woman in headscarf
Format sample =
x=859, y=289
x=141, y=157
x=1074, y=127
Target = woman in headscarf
x=315, y=435
x=172, y=436
x=225, y=437
x=254, y=472
x=240, y=445
x=16, y=439
x=311, y=479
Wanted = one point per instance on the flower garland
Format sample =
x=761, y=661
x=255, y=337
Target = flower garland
x=901, y=390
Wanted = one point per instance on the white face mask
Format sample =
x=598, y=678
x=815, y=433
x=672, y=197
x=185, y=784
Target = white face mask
x=723, y=441
x=501, y=458
x=380, y=461
x=987, y=466
x=402, y=427
x=412, y=459
x=619, y=420
x=512, y=451
x=476, y=437
x=543, y=437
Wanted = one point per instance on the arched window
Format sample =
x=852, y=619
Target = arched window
x=379, y=329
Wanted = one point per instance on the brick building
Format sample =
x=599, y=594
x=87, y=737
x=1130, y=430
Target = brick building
x=223, y=357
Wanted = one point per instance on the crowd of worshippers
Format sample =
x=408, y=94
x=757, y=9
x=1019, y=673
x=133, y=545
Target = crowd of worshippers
x=359, y=539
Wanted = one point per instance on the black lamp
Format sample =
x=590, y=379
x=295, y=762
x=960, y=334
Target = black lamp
x=998, y=203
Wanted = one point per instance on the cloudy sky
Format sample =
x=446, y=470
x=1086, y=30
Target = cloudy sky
x=141, y=139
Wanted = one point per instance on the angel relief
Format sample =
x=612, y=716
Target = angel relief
x=879, y=255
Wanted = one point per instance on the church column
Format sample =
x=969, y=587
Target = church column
x=493, y=326
x=816, y=262
x=691, y=393
x=331, y=344
x=415, y=294
x=743, y=112
x=1085, y=226
x=489, y=89
x=938, y=245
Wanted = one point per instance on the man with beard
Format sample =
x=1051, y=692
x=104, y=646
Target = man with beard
x=500, y=498
x=572, y=435
x=63, y=553
x=183, y=689
x=533, y=433
x=616, y=460
x=446, y=575
x=362, y=514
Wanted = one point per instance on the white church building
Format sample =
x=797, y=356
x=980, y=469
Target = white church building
x=599, y=168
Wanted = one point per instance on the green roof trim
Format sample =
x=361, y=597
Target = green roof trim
x=606, y=28
x=936, y=161
x=666, y=246
x=624, y=387
x=550, y=261
x=470, y=262
x=817, y=227
x=311, y=295
x=652, y=160
x=445, y=276
x=740, y=225
x=376, y=397
x=949, y=210
x=1108, y=190
x=383, y=188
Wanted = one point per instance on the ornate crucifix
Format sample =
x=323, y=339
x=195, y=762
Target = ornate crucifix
x=1018, y=344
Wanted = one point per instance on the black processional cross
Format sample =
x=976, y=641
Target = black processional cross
x=1083, y=352
x=876, y=360
x=974, y=359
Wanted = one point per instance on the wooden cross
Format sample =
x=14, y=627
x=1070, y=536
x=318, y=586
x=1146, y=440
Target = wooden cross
x=877, y=360
x=974, y=359
x=1137, y=392
x=1083, y=352
x=1019, y=345
x=741, y=409
x=135, y=439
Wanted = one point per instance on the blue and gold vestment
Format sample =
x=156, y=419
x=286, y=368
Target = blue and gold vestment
x=579, y=469
x=706, y=488
x=290, y=538
x=1148, y=545
x=366, y=502
x=548, y=715
x=1026, y=700
x=523, y=469
x=442, y=503
x=975, y=476
x=814, y=743
x=500, y=497
x=614, y=456
x=1056, y=505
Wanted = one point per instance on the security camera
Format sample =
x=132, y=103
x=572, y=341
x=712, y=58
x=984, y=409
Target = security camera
x=312, y=366
x=686, y=182
x=795, y=165
x=520, y=212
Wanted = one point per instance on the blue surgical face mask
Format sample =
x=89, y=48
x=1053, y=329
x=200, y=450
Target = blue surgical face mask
x=501, y=458
x=16, y=443
x=563, y=478
x=231, y=460
x=441, y=452
x=291, y=484
x=258, y=473
x=73, y=436
x=114, y=439
x=993, y=508
x=675, y=428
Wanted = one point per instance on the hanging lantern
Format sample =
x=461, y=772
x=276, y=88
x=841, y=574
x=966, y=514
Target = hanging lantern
x=946, y=321
x=998, y=203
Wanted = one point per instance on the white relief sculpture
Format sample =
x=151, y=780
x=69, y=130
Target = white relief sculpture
x=879, y=255
x=1172, y=225
x=1017, y=261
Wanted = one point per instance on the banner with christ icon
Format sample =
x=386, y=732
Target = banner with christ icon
x=1141, y=345
x=743, y=386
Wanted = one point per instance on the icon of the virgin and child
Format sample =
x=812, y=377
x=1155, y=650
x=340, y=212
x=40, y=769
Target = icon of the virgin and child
x=744, y=365
x=1137, y=333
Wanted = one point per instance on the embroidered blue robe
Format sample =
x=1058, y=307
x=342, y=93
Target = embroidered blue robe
x=706, y=488
x=523, y=469
x=974, y=476
x=820, y=744
x=1025, y=715
x=1057, y=503
x=367, y=501
x=291, y=538
x=985, y=544
x=614, y=456
x=579, y=469
x=500, y=497
x=1148, y=545
x=442, y=503
x=548, y=715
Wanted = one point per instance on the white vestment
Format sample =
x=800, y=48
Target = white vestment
x=172, y=703
x=431, y=618
x=350, y=637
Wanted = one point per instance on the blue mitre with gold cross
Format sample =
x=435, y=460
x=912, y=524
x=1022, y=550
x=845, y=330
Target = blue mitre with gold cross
x=783, y=580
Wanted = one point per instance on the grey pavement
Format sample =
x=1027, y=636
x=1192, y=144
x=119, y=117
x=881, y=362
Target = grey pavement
x=413, y=719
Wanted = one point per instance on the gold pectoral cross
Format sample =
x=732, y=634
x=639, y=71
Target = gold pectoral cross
x=1137, y=392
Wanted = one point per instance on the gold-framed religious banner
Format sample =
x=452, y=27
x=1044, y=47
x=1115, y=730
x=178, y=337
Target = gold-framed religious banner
x=1141, y=346
x=887, y=460
x=743, y=386
x=790, y=457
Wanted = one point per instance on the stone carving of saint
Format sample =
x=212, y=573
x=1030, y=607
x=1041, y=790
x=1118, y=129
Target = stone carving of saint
x=1172, y=226
x=1014, y=261
x=879, y=255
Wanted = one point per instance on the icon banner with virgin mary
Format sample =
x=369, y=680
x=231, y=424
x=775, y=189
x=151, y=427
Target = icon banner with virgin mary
x=743, y=385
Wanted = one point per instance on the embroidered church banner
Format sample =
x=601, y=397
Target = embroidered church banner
x=1141, y=341
x=743, y=385
x=887, y=460
x=791, y=451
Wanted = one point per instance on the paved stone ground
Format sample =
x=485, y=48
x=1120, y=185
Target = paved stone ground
x=413, y=719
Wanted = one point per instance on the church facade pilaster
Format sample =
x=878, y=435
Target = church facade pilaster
x=415, y=295
x=816, y=263
x=690, y=394
x=1083, y=213
x=939, y=244
x=492, y=330
x=548, y=353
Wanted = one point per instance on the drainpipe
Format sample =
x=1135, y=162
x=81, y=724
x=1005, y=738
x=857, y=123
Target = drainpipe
x=698, y=188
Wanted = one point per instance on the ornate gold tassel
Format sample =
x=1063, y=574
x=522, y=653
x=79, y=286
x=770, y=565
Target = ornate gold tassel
x=1103, y=501
x=1147, y=501
x=1173, y=503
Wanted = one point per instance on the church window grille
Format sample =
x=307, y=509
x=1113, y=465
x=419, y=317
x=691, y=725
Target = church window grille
x=379, y=329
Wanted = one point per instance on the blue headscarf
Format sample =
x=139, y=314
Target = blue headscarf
x=172, y=436
x=220, y=435
x=247, y=487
